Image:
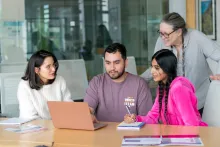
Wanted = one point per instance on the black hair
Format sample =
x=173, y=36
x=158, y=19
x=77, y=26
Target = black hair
x=103, y=38
x=37, y=60
x=168, y=63
x=117, y=47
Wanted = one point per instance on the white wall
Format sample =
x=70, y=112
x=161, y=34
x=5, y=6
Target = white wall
x=218, y=20
x=178, y=6
x=13, y=9
x=12, y=31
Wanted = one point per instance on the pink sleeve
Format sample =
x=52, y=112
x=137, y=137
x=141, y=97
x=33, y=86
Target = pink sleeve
x=152, y=116
x=186, y=105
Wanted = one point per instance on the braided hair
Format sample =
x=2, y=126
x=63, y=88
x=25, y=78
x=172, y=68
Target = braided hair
x=168, y=63
x=177, y=22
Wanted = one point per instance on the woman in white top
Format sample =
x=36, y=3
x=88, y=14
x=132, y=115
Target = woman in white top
x=39, y=85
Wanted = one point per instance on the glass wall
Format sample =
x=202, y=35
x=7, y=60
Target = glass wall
x=77, y=29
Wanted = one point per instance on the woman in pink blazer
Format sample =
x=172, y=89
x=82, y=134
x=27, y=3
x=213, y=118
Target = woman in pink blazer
x=176, y=102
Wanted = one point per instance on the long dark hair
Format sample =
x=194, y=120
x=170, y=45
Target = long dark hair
x=37, y=60
x=103, y=38
x=168, y=63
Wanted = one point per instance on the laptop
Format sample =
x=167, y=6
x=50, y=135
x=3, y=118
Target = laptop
x=72, y=115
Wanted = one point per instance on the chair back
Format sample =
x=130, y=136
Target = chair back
x=74, y=73
x=13, y=67
x=9, y=86
x=211, y=112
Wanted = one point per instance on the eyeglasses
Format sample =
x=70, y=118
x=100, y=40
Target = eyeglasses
x=165, y=34
x=52, y=66
x=49, y=67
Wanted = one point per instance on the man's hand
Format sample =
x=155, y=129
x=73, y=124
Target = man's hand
x=94, y=119
x=92, y=112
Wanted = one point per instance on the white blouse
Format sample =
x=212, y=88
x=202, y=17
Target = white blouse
x=33, y=103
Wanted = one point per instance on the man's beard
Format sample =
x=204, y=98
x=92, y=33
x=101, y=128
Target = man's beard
x=118, y=76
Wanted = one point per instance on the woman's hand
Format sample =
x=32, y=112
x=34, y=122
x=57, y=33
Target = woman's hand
x=130, y=118
x=215, y=77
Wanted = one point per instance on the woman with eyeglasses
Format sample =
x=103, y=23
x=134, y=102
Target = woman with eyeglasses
x=39, y=85
x=176, y=102
x=192, y=48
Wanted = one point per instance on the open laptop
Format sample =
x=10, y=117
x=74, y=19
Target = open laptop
x=72, y=115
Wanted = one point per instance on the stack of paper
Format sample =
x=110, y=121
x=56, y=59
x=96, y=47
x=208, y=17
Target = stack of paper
x=26, y=129
x=164, y=140
x=141, y=141
x=183, y=140
x=130, y=126
x=15, y=121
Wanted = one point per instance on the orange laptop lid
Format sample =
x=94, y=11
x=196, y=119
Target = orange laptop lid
x=72, y=115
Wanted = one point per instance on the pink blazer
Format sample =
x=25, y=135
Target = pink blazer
x=181, y=107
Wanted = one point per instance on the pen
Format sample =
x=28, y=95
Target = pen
x=128, y=109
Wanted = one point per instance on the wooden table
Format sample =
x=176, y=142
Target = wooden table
x=36, y=138
x=105, y=137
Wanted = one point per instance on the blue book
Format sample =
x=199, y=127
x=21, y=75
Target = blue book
x=130, y=126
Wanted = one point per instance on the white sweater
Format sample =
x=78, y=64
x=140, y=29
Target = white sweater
x=33, y=103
